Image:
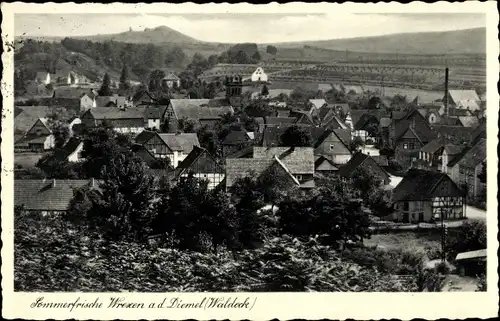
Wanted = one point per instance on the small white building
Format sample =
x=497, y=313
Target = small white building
x=259, y=75
x=87, y=101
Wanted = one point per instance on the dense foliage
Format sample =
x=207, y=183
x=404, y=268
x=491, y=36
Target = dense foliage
x=296, y=136
x=52, y=255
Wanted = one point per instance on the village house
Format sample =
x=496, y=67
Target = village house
x=360, y=161
x=50, y=197
x=26, y=116
x=364, y=123
x=201, y=165
x=142, y=97
x=431, y=113
x=198, y=110
x=258, y=75
x=299, y=161
x=130, y=120
x=463, y=99
x=171, y=81
x=38, y=138
x=427, y=196
x=88, y=100
x=113, y=101
x=175, y=147
x=155, y=115
x=43, y=77
x=271, y=122
x=332, y=144
x=465, y=167
x=71, y=152
x=407, y=135
x=431, y=154
x=239, y=168
x=236, y=140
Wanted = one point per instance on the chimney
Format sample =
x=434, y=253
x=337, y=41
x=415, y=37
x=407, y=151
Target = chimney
x=53, y=182
x=446, y=91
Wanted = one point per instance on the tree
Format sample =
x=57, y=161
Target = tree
x=106, y=86
x=365, y=181
x=471, y=236
x=242, y=58
x=124, y=210
x=258, y=108
x=264, y=91
x=155, y=80
x=61, y=134
x=295, y=136
x=256, y=56
x=124, y=78
x=200, y=219
x=100, y=146
x=328, y=213
x=399, y=103
x=272, y=50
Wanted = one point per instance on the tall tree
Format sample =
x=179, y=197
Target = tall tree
x=256, y=56
x=125, y=211
x=106, y=86
x=124, y=78
x=264, y=91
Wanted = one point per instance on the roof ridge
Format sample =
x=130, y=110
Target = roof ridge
x=286, y=170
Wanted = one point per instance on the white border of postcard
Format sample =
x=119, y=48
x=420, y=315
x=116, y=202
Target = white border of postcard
x=266, y=305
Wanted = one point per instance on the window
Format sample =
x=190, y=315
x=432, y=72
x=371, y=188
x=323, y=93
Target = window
x=421, y=217
x=412, y=145
x=332, y=146
x=413, y=217
x=406, y=206
x=461, y=170
x=299, y=177
x=405, y=146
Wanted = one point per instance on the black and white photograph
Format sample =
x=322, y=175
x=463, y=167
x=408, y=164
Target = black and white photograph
x=254, y=152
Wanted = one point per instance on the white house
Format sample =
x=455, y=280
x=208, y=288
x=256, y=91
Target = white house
x=88, y=101
x=43, y=77
x=259, y=75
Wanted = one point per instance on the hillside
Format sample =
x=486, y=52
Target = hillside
x=471, y=41
x=157, y=35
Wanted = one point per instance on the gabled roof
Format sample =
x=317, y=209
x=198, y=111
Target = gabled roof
x=246, y=152
x=42, y=195
x=381, y=160
x=455, y=134
x=463, y=95
x=144, y=136
x=70, y=92
x=434, y=145
x=155, y=111
x=104, y=101
x=468, y=121
x=420, y=185
x=279, y=120
x=360, y=117
x=183, y=109
x=27, y=116
x=299, y=160
x=236, y=137
x=237, y=168
x=193, y=156
x=171, y=76
x=139, y=95
x=317, y=103
x=102, y=113
x=184, y=142
x=321, y=160
x=67, y=149
x=472, y=156
x=354, y=163
x=344, y=135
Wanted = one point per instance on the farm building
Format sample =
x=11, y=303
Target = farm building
x=202, y=165
x=365, y=162
x=48, y=196
x=129, y=120
x=427, y=196
x=39, y=138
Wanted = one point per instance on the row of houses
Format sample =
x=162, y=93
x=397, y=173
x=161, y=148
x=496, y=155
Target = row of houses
x=422, y=196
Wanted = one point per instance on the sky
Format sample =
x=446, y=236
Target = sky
x=237, y=27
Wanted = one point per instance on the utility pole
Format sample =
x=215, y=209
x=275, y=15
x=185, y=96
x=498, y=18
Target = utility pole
x=446, y=92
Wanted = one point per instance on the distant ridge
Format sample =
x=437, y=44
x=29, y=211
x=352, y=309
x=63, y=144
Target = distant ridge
x=466, y=41
x=458, y=41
